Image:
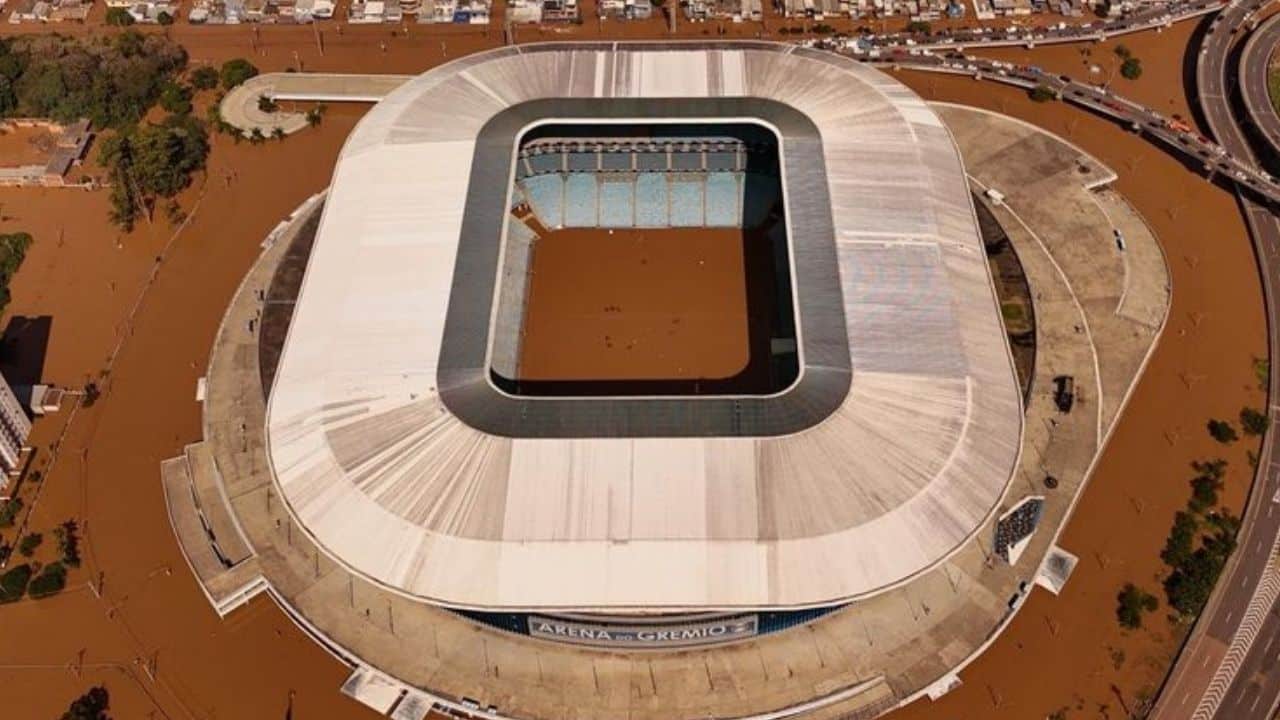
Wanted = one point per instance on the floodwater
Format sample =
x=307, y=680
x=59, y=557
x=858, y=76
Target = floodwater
x=97, y=286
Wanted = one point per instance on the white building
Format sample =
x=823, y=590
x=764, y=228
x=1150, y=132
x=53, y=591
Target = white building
x=15, y=426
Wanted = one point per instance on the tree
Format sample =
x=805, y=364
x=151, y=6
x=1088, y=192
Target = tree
x=919, y=27
x=1042, y=93
x=266, y=104
x=9, y=510
x=68, y=536
x=1131, y=68
x=92, y=705
x=51, y=580
x=175, y=97
x=28, y=544
x=1222, y=431
x=153, y=161
x=204, y=78
x=1204, y=493
x=313, y=117
x=13, y=583
x=256, y=137
x=235, y=72
x=277, y=133
x=1254, y=422
x=1123, y=51
x=1131, y=603
x=1178, y=546
x=119, y=17
x=112, y=80
x=164, y=18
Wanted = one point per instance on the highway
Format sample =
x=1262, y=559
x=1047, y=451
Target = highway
x=1158, y=15
x=1228, y=667
x=1174, y=135
x=1253, y=81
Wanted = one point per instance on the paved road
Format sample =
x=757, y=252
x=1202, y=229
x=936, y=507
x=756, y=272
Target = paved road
x=1228, y=669
x=1253, y=80
x=1174, y=135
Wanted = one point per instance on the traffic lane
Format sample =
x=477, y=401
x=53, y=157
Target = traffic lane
x=1256, y=687
x=1253, y=76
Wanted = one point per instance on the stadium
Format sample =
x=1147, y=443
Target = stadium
x=488, y=400
x=702, y=352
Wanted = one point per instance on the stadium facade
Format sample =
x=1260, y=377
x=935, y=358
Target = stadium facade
x=400, y=456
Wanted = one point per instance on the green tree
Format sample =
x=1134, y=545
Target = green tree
x=51, y=581
x=204, y=78
x=9, y=510
x=1222, y=431
x=1179, y=545
x=28, y=544
x=164, y=18
x=266, y=104
x=235, y=72
x=152, y=161
x=919, y=27
x=1131, y=603
x=1254, y=422
x=119, y=17
x=92, y=705
x=13, y=583
x=1131, y=68
x=175, y=97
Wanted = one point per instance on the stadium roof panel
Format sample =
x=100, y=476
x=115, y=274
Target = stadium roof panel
x=910, y=456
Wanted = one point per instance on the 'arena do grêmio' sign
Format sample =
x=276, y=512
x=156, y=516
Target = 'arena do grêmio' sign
x=651, y=636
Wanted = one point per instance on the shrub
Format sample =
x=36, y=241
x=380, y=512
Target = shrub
x=92, y=705
x=1222, y=431
x=1042, y=93
x=119, y=17
x=204, y=78
x=1131, y=68
x=1254, y=422
x=235, y=72
x=51, y=580
x=27, y=546
x=13, y=583
x=1131, y=603
x=1123, y=51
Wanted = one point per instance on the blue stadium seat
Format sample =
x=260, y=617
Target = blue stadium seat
x=580, y=200
x=722, y=200
x=546, y=197
x=686, y=201
x=617, y=204
x=651, y=200
x=545, y=163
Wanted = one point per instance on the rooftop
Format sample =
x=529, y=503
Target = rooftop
x=404, y=463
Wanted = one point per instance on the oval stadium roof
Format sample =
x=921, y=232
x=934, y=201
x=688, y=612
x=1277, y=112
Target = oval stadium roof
x=912, y=452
